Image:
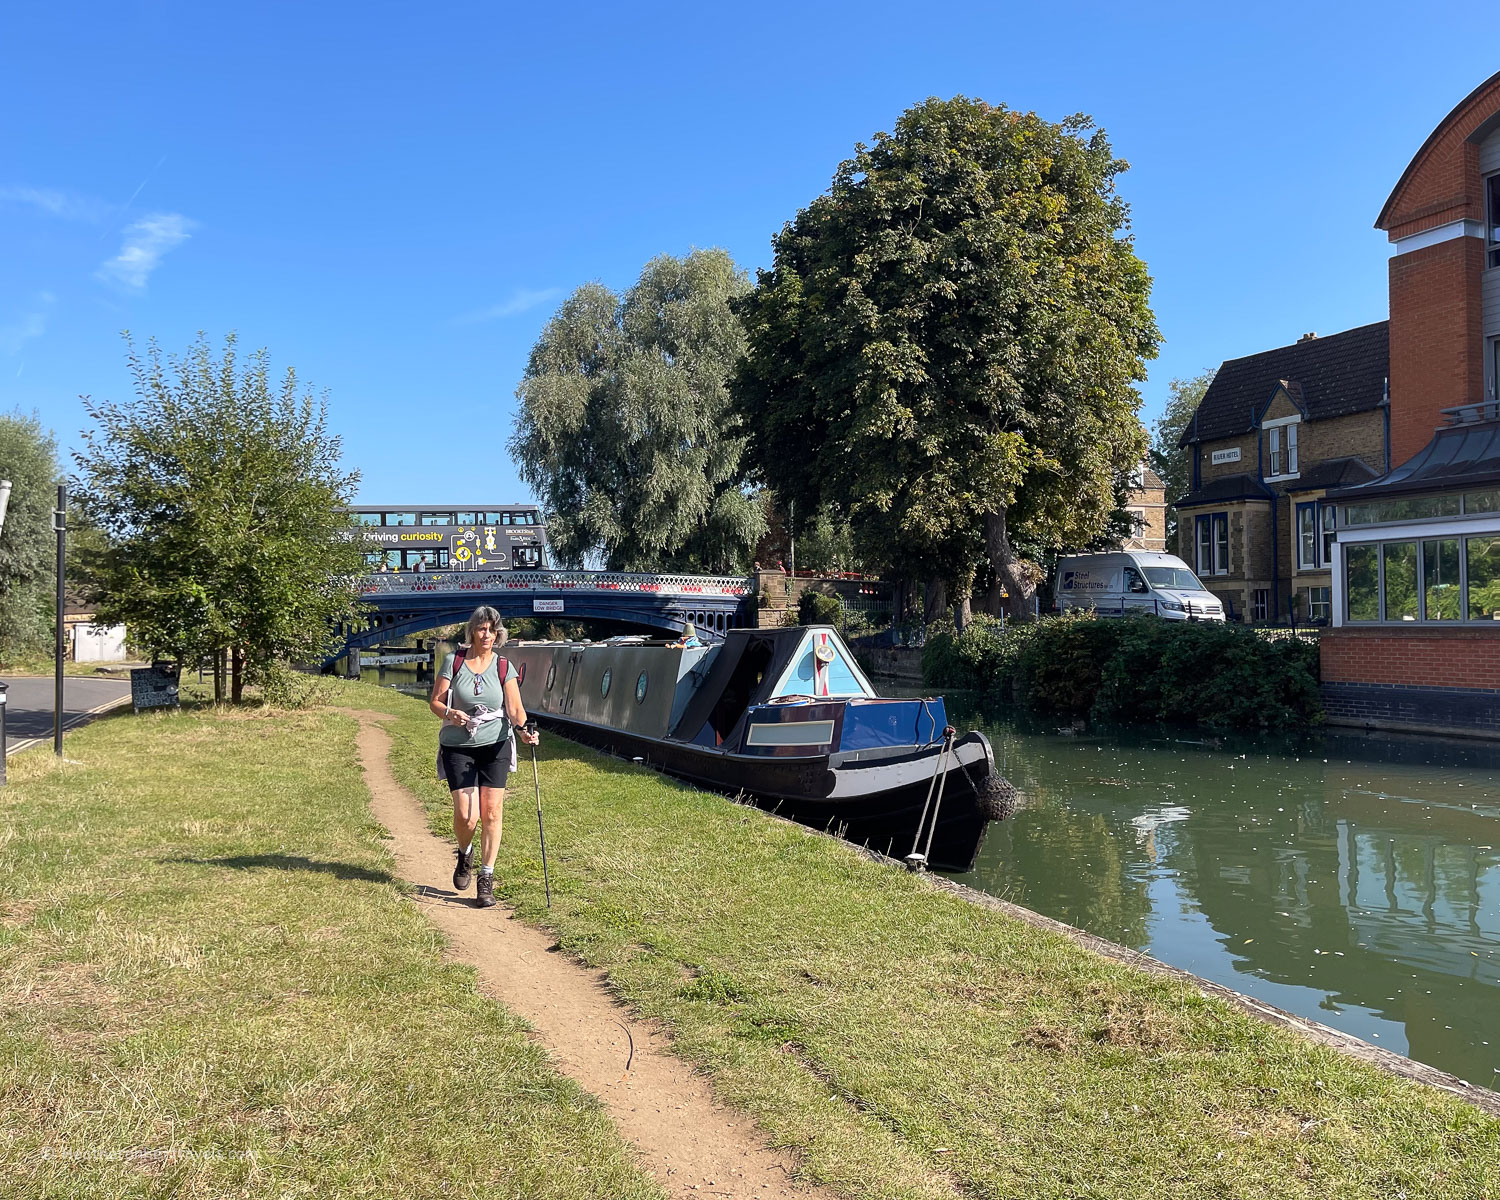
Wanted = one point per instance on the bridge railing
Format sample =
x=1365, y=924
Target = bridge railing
x=600, y=582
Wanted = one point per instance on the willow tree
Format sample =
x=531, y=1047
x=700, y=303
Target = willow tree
x=947, y=343
x=625, y=429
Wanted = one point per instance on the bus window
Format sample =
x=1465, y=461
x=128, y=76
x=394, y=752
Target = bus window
x=393, y=560
x=527, y=557
x=470, y=518
x=367, y=518
x=437, y=518
x=505, y=518
x=442, y=558
x=400, y=518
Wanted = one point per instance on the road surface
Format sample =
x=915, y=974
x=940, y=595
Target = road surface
x=29, y=706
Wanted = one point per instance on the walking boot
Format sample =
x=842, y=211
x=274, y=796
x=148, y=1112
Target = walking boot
x=484, y=891
x=463, y=873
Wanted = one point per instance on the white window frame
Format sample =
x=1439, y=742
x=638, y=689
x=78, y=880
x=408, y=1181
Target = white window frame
x=1327, y=605
x=1423, y=531
x=1275, y=438
x=1299, y=509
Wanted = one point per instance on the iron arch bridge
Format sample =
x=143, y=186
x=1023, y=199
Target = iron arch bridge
x=405, y=604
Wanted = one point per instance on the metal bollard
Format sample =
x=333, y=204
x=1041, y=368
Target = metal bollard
x=4, y=687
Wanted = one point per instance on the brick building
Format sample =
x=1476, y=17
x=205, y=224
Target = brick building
x=1147, y=506
x=1416, y=562
x=1274, y=433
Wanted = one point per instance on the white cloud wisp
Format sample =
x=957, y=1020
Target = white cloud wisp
x=520, y=301
x=146, y=242
x=28, y=326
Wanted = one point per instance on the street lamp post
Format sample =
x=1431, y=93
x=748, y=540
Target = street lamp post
x=59, y=523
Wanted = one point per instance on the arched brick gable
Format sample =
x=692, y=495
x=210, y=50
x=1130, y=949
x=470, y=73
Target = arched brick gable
x=1441, y=183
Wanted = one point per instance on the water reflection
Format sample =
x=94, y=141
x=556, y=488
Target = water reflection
x=1349, y=878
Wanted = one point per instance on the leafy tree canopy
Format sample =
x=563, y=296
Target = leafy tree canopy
x=625, y=429
x=947, y=342
x=28, y=545
x=1172, y=462
x=225, y=509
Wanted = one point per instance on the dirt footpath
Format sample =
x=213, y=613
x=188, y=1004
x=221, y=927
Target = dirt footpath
x=686, y=1139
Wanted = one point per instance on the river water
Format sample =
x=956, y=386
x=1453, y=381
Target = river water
x=1350, y=878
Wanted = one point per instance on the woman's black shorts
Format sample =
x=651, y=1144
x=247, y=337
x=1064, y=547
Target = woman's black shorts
x=476, y=766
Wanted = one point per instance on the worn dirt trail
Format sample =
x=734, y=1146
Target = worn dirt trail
x=687, y=1140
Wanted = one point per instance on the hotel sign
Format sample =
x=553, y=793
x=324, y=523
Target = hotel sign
x=1226, y=456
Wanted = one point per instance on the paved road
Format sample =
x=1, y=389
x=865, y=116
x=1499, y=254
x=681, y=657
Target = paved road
x=29, y=706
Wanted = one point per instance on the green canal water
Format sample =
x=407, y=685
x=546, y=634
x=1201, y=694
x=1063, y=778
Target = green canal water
x=1351, y=879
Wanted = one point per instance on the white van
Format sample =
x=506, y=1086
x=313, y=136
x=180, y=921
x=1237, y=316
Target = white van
x=1128, y=581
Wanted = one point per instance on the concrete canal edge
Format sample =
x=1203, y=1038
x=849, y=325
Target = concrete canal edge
x=1324, y=1035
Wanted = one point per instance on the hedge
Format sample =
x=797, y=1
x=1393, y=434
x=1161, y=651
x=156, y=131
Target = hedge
x=1135, y=669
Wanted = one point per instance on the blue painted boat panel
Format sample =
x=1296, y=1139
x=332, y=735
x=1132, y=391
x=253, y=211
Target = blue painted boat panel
x=872, y=723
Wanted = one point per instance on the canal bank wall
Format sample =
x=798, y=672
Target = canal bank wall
x=1421, y=680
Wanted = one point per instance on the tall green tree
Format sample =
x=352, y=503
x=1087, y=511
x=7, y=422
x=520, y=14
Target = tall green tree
x=225, y=507
x=1174, y=463
x=28, y=545
x=625, y=429
x=947, y=343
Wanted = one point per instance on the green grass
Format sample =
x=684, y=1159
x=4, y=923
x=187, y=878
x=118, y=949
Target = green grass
x=211, y=985
x=909, y=1044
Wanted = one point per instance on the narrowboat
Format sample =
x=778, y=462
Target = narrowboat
x=786, y=718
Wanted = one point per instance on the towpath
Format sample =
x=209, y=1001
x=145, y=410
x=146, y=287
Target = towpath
x=690, y=1143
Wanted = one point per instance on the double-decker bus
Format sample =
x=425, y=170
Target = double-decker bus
x=495, y=537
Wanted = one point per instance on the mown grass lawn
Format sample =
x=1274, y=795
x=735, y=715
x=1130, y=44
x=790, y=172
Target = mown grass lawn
x=211, y=986
x=910, y=1044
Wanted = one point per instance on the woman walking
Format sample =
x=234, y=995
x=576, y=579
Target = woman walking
x=477, y=697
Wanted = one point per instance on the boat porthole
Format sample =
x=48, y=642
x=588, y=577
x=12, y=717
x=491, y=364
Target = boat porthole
x=551, y=676
x=604, y=683
x=640, y=688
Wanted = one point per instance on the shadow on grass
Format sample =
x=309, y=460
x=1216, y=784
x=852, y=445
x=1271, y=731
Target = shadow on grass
x=289, y=862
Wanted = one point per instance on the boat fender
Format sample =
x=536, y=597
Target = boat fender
x=997, y=797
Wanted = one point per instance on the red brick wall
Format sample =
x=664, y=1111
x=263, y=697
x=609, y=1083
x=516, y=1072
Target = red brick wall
x=1437, y=357
x=1424, y=657
x=1442, y=182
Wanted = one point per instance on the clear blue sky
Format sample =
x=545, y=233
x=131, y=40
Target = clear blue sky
x=394, y=198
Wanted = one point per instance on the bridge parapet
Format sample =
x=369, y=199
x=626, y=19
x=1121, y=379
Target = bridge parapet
x=588, y=582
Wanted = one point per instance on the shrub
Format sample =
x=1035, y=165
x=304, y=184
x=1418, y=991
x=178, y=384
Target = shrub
x=814, y=608
x=1134, y=669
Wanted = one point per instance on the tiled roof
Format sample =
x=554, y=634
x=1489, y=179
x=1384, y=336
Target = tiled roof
x=1226, y=488
x=1331, y=376
x=1332, y=473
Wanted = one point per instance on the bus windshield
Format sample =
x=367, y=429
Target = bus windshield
x=1178, y=578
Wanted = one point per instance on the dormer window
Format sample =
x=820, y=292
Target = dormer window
x=1281, y=449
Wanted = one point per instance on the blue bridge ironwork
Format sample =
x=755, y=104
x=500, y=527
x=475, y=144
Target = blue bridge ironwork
x=410, y=603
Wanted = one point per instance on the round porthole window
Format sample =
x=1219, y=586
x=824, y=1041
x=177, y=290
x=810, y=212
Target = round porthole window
x=604, y=683
x=640, y=688
x=551, y=676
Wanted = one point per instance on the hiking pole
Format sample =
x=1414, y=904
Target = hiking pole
x=540, y=833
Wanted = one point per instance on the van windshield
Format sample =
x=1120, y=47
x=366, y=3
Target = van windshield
x=1178, y=578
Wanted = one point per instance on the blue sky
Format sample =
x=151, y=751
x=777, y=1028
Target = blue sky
x=393, y=199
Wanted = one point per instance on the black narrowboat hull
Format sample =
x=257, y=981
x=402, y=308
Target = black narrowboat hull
x=871, y=799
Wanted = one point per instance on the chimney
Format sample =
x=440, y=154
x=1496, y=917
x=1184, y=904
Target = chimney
x=1306, y=337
